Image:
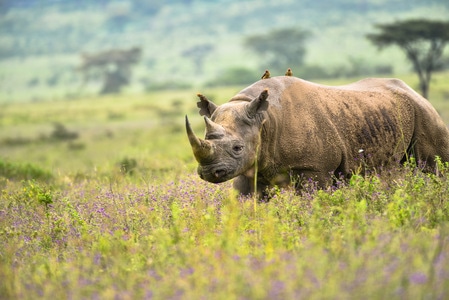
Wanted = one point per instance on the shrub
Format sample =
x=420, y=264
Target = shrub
x=17, y=141
x=16, y=171
x=61, y=133
x=128, y=165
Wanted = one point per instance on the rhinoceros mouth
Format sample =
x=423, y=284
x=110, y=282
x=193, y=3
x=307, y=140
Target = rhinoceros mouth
x=215, y=174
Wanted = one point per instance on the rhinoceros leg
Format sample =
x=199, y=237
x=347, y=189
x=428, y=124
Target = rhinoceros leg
x=242, y=185
x=245, y=186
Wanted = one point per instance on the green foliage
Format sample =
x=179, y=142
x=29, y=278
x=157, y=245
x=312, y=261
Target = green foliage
x=32, y=190
x=18, y=171
x=127, y=165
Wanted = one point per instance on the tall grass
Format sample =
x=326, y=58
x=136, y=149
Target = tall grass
x=371, y=238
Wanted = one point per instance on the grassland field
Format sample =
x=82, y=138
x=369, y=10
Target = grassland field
x=99, y=199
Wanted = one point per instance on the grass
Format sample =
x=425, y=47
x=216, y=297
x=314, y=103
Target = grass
x=190, y=239
x=119, y=212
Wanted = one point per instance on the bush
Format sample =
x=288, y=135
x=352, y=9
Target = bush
x=127, y=165
x=61, y=133
x=15, y=171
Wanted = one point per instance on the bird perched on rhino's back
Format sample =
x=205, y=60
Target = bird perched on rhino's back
x=307, y=130
x=266, y=75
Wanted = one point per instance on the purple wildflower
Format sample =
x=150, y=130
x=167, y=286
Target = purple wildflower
x=418, y=278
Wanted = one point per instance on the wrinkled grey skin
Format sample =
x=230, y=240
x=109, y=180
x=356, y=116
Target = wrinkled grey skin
x=310, y=131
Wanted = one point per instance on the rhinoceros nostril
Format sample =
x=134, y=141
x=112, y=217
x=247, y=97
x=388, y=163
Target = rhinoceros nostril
x=220, y=173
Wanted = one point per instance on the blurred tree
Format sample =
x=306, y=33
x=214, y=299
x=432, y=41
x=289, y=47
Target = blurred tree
x=234, y=76
x=114, y=65
x=279, y=49
x=423, y=42
x=198, y=53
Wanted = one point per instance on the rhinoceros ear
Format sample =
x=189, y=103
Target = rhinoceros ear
x=206, y=107
x=259, y=104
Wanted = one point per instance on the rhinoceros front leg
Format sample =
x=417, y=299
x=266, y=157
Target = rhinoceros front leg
x=245, y=186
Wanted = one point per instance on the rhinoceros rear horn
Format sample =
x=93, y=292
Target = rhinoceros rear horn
x=259, y=104
x=201, y=148
x=213, y=129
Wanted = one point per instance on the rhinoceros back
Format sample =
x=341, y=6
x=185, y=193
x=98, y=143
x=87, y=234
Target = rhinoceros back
x=275, y=85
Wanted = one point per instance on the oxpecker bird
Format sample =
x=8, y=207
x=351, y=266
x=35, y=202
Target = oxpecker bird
x=289, y=72
x=266, y=75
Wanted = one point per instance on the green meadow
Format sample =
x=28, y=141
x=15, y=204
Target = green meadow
x=100, y=200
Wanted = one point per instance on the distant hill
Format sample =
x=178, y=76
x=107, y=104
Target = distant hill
x=41, y=41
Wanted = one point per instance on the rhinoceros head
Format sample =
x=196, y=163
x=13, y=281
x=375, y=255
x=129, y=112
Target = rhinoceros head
x=232, y=135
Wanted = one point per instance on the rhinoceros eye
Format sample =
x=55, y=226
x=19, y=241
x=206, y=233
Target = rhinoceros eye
x=237, y=148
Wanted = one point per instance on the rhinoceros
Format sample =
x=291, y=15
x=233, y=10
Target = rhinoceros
x=284, y=127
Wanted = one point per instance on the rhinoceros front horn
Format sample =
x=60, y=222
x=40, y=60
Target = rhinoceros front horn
x=201, y=148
